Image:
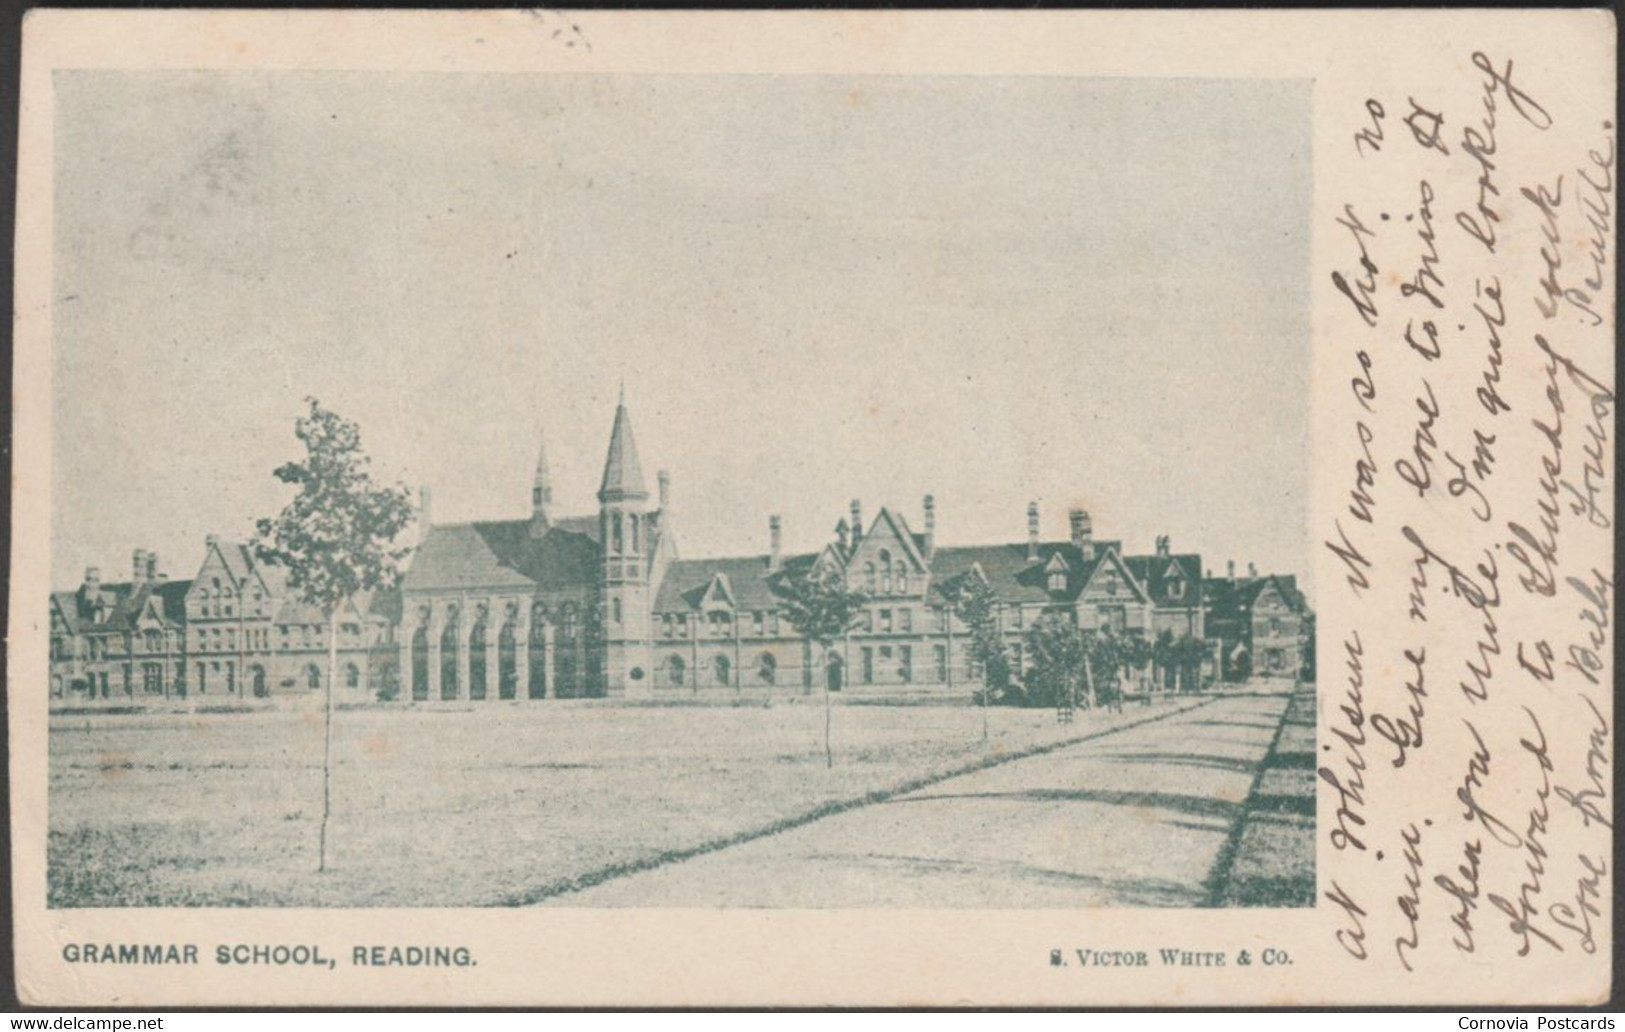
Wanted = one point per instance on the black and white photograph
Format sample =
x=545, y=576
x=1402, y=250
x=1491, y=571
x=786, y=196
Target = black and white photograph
x=716, y=491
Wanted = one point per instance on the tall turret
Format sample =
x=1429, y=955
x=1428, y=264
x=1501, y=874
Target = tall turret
x=623, y=503
x=541, y=492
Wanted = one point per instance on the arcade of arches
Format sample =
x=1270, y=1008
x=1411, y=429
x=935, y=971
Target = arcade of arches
x=493, y=649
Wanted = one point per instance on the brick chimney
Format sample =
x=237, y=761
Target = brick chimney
x=1032, y=530
x=930, y=526
x=774, y=541
x=138, y=566
x=1082, y=532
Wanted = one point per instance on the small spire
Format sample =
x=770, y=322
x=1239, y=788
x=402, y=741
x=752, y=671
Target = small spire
x=541, y=491
x=623, y=474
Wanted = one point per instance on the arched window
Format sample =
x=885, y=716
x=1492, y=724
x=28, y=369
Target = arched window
x=885, y=571
x=313, y=676
x=902, y=577
x=767, y=668
x=677, y=671
x=869, y=577
x=615, y=531
x=1176, y=588
x=723, y=669
x=352, y=676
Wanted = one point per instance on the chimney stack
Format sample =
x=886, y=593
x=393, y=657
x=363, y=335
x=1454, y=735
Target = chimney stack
x=1032, y=530
x=1230, y=569
x=211, y=540
x=152, y=567
x=930, y=526
x=1252, y=569
x=842, y=530
x=774, y=540
x=1163, y=546
x=665, y=491
x=857, y=522
x=138, y=566
x=93, y=580
x=1081, y=531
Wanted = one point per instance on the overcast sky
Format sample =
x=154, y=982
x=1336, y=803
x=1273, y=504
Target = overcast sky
x=1080, y=291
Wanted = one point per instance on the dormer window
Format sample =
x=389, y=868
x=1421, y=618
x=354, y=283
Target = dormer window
x=1057, y=582
x=1176, y=588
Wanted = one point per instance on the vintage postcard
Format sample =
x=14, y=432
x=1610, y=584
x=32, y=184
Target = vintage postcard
x=814, y=508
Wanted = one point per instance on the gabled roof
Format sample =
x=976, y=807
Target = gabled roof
x=1233, y=598
x=749, y=581
x=1011, y=575
x=126, y=602
x=503, y=554
x=1156, y=573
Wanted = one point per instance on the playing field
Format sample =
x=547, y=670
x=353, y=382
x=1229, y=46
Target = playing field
x=489, y=805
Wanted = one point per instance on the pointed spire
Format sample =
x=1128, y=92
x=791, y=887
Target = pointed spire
x=541, y=491
x=623, y=474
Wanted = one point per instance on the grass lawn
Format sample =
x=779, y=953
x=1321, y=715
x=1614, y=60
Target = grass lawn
x=485, y=805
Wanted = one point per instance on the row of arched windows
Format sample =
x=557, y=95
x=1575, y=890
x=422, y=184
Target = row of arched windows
x=887, y=577
x=721, y=670
x=623, y=530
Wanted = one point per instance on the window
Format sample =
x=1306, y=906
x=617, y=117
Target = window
x=773, y=624
x=676, y=671
x=760, y=623
x=1019, y=659
x=939, y=662
x=1057, y=581
x=720, y=624
x=615, y=530
x=767, y=668
x=868, y=665
x=1176, y=588
x=905, y=621
x=869, y=621
x=305, y=637
x=682, y=625
x=902, y=577
x=1111, y=583
x=869, y=577
x=637, y=536
x=905, y=664
x=885, y=571
x=666, y=626
x=1016, y=615
x=885, y=621
x=231, y=638
x=723, y=669
x=615, y=608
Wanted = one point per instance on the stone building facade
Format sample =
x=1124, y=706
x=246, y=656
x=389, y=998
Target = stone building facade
x=605, y=605
x=1259, y=624
x=231, y=632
